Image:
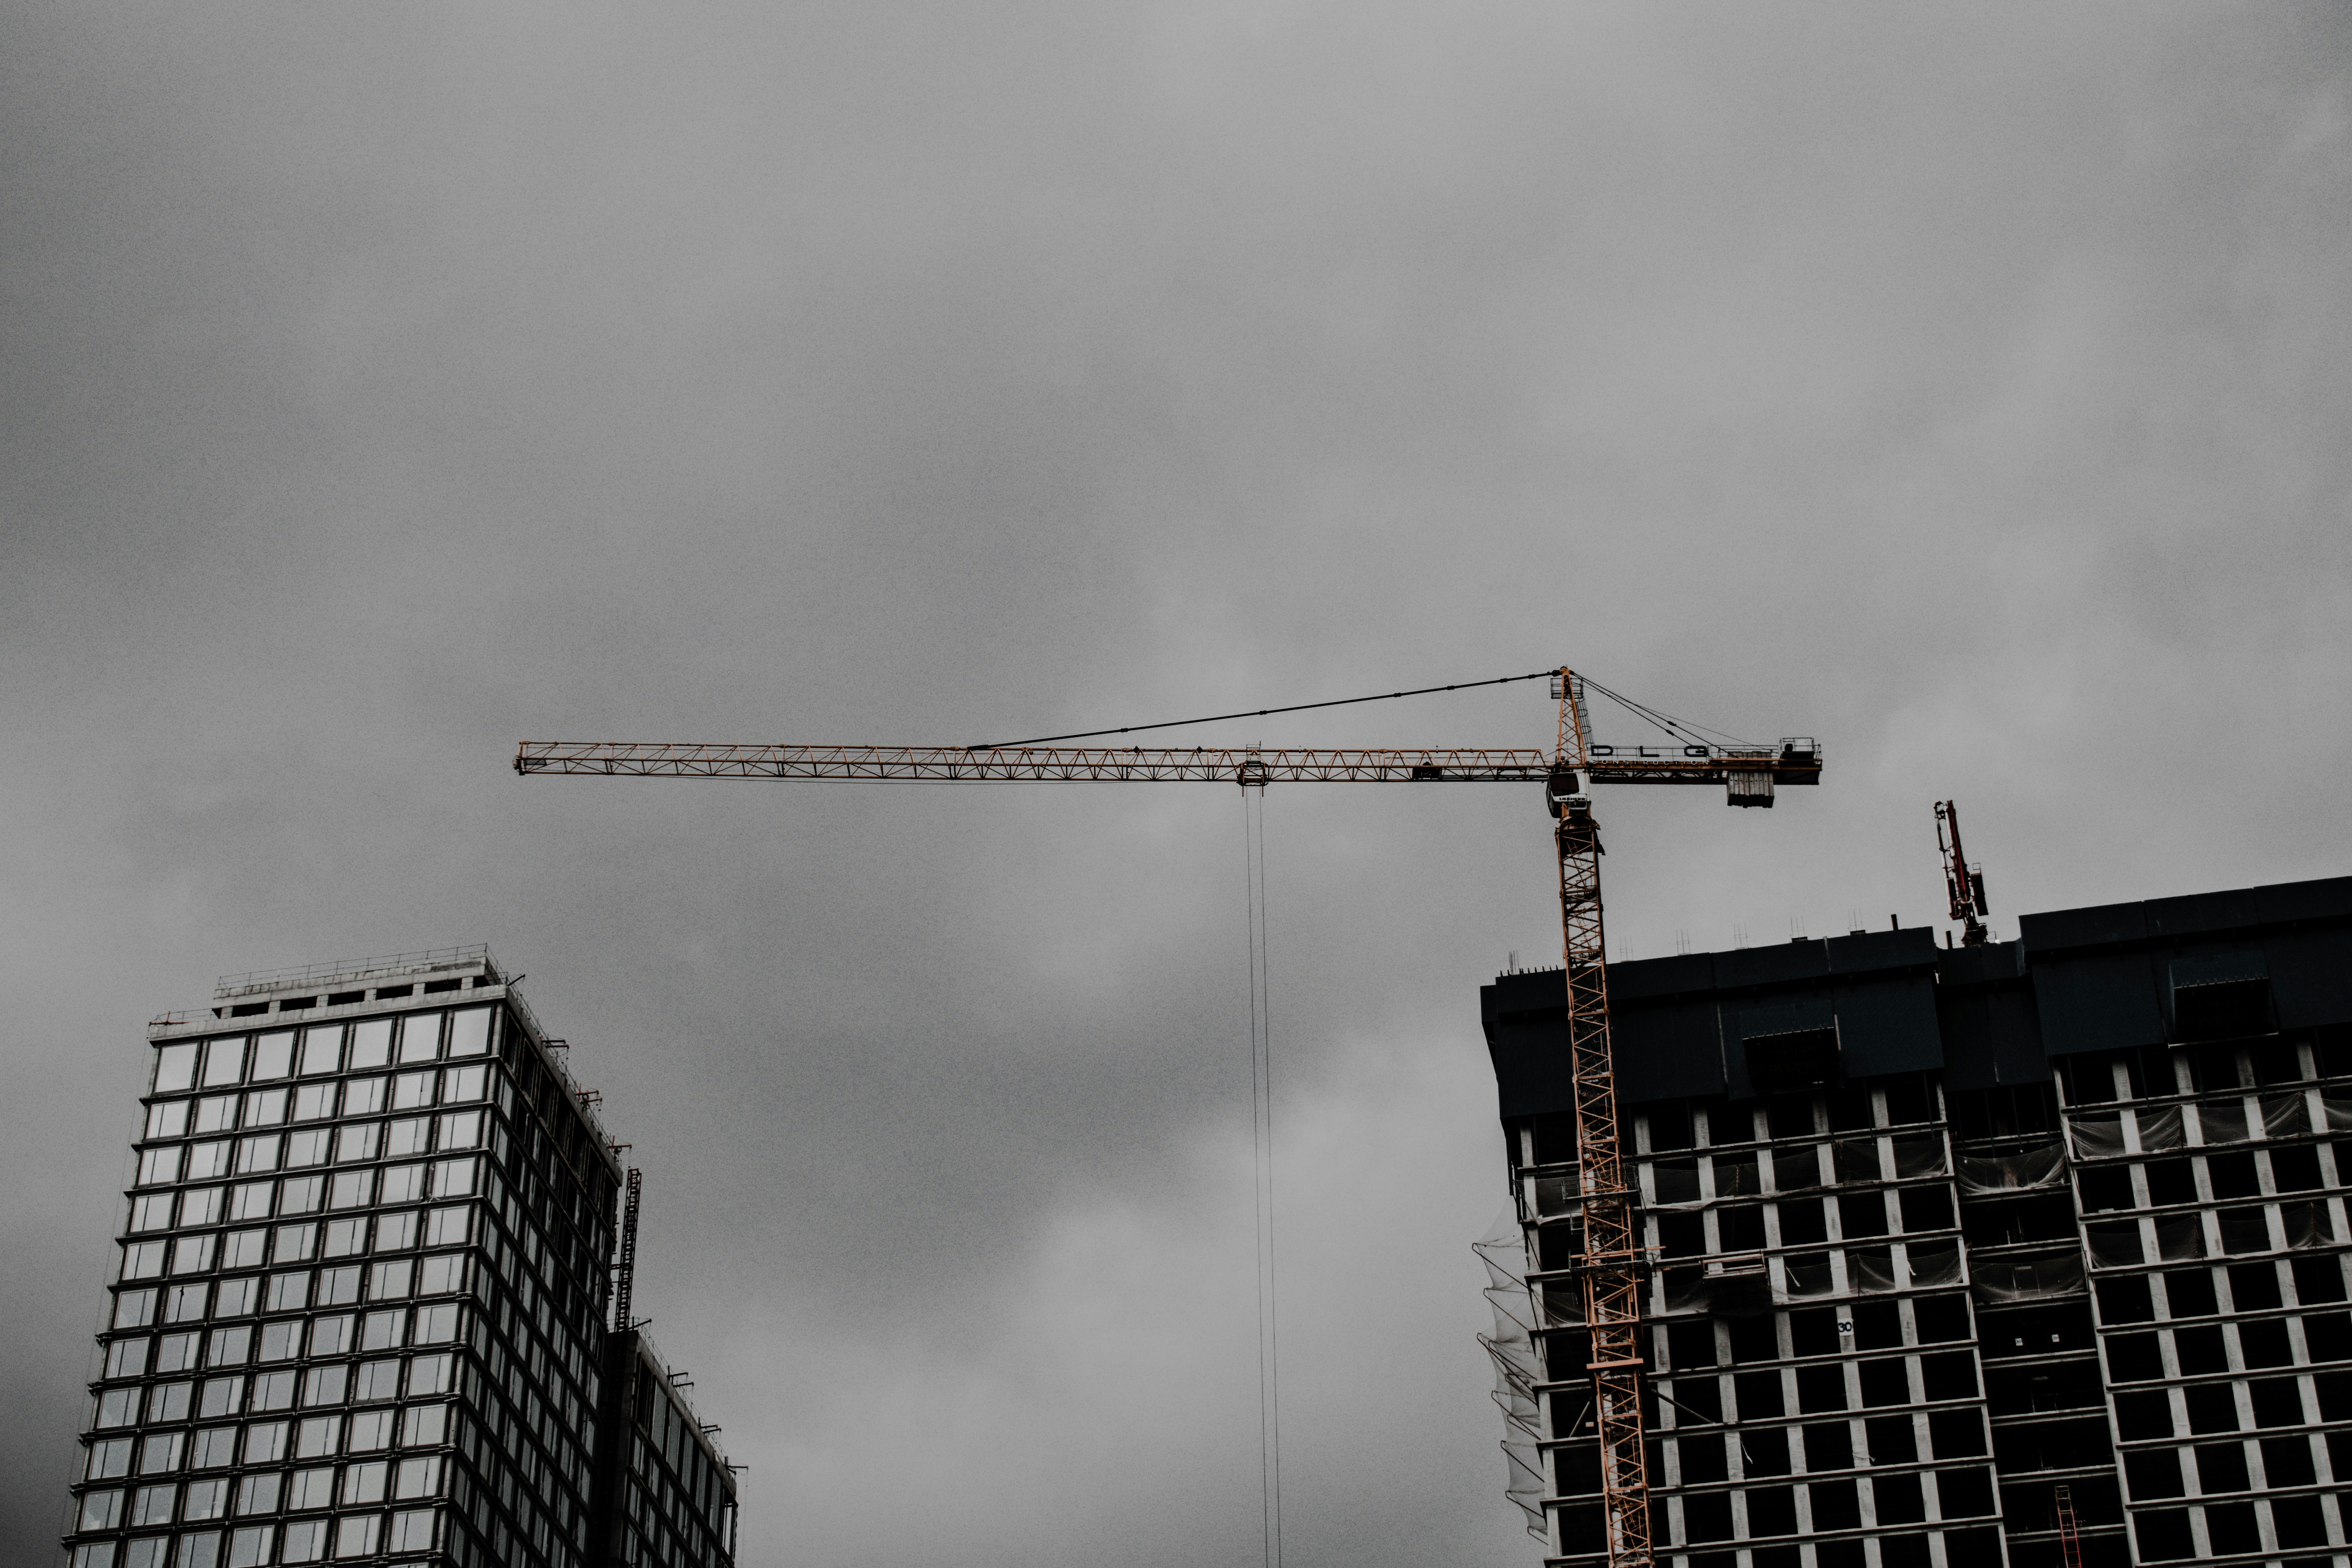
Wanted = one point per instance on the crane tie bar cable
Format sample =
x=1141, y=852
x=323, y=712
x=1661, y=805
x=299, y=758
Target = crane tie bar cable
x=1260, y=712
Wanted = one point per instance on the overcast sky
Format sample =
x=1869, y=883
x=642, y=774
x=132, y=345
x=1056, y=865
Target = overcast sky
x=388, y=385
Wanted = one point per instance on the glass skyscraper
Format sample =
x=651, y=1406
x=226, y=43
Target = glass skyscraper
x=359, y=1306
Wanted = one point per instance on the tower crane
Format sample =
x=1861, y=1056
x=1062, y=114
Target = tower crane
x=1962, y=881
x=1612, y=1265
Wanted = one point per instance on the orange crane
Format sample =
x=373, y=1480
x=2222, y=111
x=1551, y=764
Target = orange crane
x=1612, y=1265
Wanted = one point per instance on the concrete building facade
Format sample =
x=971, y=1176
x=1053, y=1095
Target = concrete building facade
x=358, y=1310
x=1960, y=1257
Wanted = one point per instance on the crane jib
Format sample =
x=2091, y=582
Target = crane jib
x=1142, y=764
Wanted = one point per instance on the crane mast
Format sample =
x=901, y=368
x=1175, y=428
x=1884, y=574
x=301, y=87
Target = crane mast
x=1611, y=1267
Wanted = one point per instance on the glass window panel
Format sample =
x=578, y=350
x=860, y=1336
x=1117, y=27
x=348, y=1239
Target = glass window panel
x=395, y=1232
x=453, y=1178
x=153, y=1505
x=215, y=1113
x=412, y=1090
x=282, y=1340
x=463, y=1083
x=381, y=1330
x=273, y=1391
x=229, y=1347
x=244, y=1248
x=249, y=1547
x=297, y=1243
x=355, y=1535
x=215, y=1448
x=192, y=1254
x=265, y=1441
x=443, y=1273
x=206, y=1161
x=264, y=1108
x=175, y=1352
x=251, y=1201
x=447, y=1227
x=365, y=1483
x=403, y=1183
x=406, y=1137
x=313, y=1101
x=377, y=1380
x=371, y=1042
x=364, y=1096
x=175, y=1069
x=110, y=1459
x=469, y=1032
x=258, y=1494
x=346, y=1237
x=254, y=1155
x=273, y=1056
x=311, y=1489
x=202, y=1206
x=420, y=1037
x=143, y=1260
x=307, y=1147
x=462, y=1130
x=168, y=1119
x=159, y=1453
x=158, y=1165
x=317, y=1436
x=117, y=1407
x=424, y=1426
x=224, y=1061
x=371, y=1430
x=236, y=1297
x=331, y=1336
x=339, y=1286
x=301, y=1194
x=325, y=1385
x=220, y=1397
x=127, y=1358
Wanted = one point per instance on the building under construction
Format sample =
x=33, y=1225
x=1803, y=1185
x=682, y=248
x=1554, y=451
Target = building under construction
x=358, y=1304
x=2030, y=1252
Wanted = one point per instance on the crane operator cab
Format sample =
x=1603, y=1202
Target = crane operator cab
x=1565, y=797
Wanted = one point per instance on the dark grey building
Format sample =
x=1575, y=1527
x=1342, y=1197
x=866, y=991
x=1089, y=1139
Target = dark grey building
x=1961, y=1256
x=359, y=1305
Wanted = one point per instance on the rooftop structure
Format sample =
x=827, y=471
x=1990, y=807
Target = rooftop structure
x=359, y=1305
x=2029, y=1252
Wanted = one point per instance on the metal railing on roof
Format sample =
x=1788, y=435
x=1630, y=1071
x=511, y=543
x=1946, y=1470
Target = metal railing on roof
x=355, y=969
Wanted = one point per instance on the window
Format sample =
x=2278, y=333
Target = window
x=370, y=1430
x=159, y=1165
x=258, y=1494
x=469, y=1032
x=436, y=1325
x=153, y=1505
x=110, y=1459
x=251, y=1201
x=396, y=1233
x=365, y=1483
x=175, y=1069
x=249, y=1547
x=412, y=1090
x=403, y=1183
x=406, y=1137
x=288, y=1292
x=463, y=1130
x=442, y=1274
x=420, y=1037
x=216, y=1114
x=316, y=1437
x=202, y=1206
x=244, y=1248
x=431, y=1374
x=101, y=1511
x=389, y=1281
x=313, y=1101
x=381, y=1330
x=265, y=1441
x=170, y=1402
x=224, y=1061
x=412, y=1531
x=167, y=1118
x=127, y=1358
x=264, y=1108
x=160, y=1452
x=330, y=1336
x=117, y=1407
x=325, y=1385
x=142, y=1260
x=377, y=1380
x=296, y=1243
x=206, y=1161
x=352, y=1189
x=221, y=1395
x=305, y=1540
x=273, y=1391
x=459, y=1084
x=254, y=1155
x=273, y=1056
x=346, y=1237
x=207, y=1499
x=424, y=1425
x=301, y=1194
x=355, y=1535
x=311, y=1489
x=356, y=1142
x=446, y=1227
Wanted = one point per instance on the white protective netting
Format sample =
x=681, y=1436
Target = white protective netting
x=1518, y=1365
x=2021, y=1172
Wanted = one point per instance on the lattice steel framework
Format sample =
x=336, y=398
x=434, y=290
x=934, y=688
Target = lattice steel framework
x=624, y=1286
x=1610, y=1269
